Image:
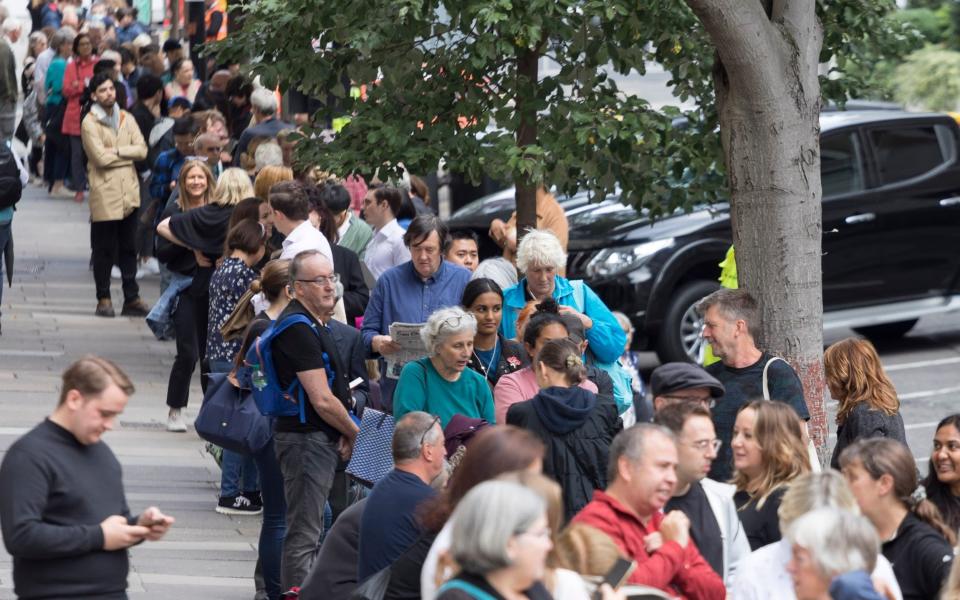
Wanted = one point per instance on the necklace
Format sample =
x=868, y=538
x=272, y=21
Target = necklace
x=493, y=355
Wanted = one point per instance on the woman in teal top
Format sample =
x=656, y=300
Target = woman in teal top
x=56, y=148
x=441, y=383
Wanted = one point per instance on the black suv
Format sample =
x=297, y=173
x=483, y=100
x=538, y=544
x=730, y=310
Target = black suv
x=891, y=242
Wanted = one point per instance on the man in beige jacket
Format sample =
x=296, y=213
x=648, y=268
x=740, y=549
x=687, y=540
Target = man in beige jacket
x=112, y=142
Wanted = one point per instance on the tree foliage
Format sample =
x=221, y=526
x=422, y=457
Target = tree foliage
x=929, y=79
x=452, y=80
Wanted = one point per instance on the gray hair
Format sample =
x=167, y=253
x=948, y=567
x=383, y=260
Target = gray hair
x=498, y=269
x=64, y=35
x=444, y=323
x=734, y=305
x=268, y=154
x=540, y=247
x=487, y=518
x=838, y=541
x=630, y=444
x=409, y=431
x=11, y=25
x=296, y=265
x=263, y=101
x=814, y=491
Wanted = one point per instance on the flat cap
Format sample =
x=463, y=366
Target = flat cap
x=676, y=376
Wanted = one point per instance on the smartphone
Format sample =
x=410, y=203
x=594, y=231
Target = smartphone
x=353, y=384
x=616, y=576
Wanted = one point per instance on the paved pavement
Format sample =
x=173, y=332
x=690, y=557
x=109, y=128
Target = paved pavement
x=48, y=322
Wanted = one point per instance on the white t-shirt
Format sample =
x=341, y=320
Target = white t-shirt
x=305, y=237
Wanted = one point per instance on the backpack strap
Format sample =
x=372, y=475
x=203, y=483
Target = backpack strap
x=766, y=379
x=463, y=586
x=579, y=295
x=277, y=329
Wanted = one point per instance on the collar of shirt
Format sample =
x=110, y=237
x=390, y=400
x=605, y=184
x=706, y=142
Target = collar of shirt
x=437, y=275
x=342, y=230
x=299, y=233
x=389, y=230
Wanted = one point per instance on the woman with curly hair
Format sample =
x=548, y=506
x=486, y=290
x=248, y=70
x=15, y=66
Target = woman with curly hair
x=768, y=453
x=869, y=406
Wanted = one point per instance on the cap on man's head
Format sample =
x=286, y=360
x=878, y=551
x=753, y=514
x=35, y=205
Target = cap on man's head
x=676, y=376
x=180, y=102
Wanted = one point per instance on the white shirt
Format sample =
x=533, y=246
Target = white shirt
x=763, y=575
x=305, y=237
x=386, y=249
x=342, y=230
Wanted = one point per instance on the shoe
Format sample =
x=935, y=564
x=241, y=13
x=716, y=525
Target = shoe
x=115, y=272
x=237, y=505
x=135, y=308
x=62, y=193
x=78, y=197
x=105, y=308
x=255, y=498
x=151, y=266
x=175, y=421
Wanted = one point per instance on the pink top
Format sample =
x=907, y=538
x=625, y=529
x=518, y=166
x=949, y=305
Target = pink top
x=519, y=387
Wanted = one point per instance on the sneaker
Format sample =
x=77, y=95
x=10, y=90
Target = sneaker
x=149, y=267
x=135, y=308
x=115, y=272
x=256, y=499
x=237, y=505
x=175, y=421
x=105, y=308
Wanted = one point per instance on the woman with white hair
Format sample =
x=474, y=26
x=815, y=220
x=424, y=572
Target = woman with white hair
x=540, y=257
x=501, y=538
x=441, y=383
x=763, y=574
x=833, y=553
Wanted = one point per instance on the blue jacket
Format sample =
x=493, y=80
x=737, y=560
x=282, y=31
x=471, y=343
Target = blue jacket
x=607, y=339
x=855, y=585
x=160, y=319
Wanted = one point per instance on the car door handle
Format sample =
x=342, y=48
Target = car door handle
x=861, y=218
x=947, y=202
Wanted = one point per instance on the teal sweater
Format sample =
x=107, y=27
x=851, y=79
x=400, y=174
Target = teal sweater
x=422, y=388
x=54, y=81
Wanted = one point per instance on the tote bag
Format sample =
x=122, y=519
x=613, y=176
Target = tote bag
x=372, y=456
x=230, y=418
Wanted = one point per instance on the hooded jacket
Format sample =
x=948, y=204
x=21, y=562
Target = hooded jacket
x=577, y=428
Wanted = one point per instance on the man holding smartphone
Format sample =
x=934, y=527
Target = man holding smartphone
x=63, y=510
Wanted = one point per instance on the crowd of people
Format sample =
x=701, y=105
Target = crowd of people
x=527, y=457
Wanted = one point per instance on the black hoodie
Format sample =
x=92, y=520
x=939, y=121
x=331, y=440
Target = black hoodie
x=577, y=427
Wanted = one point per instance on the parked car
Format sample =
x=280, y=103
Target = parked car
x=891, y=241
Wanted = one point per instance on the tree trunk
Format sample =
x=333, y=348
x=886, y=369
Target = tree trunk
x=526, y=191
x=768, y=97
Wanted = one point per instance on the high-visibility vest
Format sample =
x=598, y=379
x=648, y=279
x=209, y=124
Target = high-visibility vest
x=221, y=7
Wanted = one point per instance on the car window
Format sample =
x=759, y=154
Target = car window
x=841, y=167
x=907, y=152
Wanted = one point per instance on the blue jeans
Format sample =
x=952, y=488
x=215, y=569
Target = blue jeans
x=6, y=230
x=274, y=526
x=234, y=464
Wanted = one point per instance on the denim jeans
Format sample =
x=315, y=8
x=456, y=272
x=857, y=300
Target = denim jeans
x=6, y=230
x=274, y=525
x=308, y=462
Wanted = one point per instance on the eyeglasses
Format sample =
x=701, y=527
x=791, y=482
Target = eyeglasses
x=541, y=534
x=323, y=280
x=708, y=400
x=702, y=445
x=213, y=149
x=200, y=158
x=452, y=322
x=423, y=437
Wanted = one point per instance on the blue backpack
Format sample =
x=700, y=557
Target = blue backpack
x=271, y=399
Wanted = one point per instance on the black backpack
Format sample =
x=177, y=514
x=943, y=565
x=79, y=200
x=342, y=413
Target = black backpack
x=10, y=187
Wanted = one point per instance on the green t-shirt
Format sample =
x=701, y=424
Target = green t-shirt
x=422, y=388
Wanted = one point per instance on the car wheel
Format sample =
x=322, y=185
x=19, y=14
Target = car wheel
x=679, y=338
x=887, y=331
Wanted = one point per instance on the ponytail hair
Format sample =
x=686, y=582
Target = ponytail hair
x=563, y=356
x=883, y=456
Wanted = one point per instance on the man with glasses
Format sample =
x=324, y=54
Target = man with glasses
x=308, y=451
x=683, y=382
x=714, y=525
x=389, y=523
x=208, y=147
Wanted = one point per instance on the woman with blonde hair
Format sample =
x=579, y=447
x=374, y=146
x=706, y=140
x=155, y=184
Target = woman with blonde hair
x=882, y=474
x=768, y=454
x=233, y=186
x=869, y=406
x=267, y=178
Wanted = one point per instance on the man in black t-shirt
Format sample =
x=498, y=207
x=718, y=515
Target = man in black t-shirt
x=308, y=451
x=714, y=524
x=731, y=320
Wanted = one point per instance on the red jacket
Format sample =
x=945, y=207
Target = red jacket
x=671, y=568
x=76, y=77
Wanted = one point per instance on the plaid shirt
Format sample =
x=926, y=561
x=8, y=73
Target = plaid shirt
x=166, y=169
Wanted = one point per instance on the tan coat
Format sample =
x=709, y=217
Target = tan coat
x=114, y=184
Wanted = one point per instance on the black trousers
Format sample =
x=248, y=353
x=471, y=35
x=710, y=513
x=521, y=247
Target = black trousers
x=190, y=325
x=115, y=240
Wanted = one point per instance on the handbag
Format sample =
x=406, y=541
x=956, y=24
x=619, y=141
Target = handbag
x=230, y=418
x=372, y=456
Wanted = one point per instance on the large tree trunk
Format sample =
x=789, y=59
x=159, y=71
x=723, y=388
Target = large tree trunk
x=526, y=192
x=768, y=97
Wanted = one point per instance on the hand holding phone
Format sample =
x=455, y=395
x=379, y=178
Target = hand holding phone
x=616, y=576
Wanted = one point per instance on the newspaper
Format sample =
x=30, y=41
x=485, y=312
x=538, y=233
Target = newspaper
x=411, y=347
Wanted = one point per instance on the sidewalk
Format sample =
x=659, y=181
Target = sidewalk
x=48, y=322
